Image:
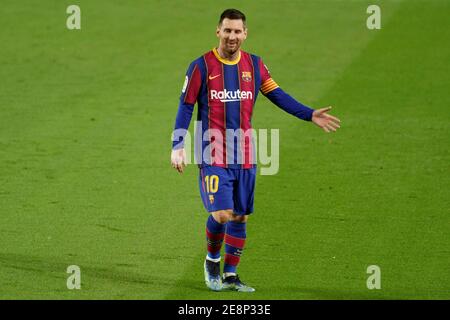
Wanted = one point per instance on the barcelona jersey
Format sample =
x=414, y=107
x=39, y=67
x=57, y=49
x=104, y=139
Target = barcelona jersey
x=226, y=92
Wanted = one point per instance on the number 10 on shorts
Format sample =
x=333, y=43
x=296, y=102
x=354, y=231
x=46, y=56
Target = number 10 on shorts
x=212, y=183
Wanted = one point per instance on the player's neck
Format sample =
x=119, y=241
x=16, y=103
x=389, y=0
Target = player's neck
x=227, y=56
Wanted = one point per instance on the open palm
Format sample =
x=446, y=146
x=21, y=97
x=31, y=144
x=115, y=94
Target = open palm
x=324, y=120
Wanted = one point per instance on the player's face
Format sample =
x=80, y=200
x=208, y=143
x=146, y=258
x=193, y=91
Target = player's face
x=231, y=34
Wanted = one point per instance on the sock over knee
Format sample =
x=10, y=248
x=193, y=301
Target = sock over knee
x=214, y=237
x=235, y=235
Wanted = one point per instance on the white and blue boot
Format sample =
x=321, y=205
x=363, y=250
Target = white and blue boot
x=212, y=275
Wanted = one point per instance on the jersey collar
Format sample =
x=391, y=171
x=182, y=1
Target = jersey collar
x=224, y=61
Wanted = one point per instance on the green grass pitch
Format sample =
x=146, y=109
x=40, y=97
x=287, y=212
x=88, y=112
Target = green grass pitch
x=85, y=123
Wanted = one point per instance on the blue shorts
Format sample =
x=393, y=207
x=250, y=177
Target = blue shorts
x=223, y=188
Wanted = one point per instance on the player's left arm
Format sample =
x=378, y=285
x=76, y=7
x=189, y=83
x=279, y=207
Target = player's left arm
x=277, y=96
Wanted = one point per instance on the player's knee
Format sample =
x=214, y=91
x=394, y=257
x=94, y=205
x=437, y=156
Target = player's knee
x=239, y=218
x=222, y=216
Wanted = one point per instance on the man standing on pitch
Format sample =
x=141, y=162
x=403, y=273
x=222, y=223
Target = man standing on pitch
x=225, y=83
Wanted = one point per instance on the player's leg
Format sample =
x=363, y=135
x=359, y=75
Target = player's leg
x=216, y=192
x=215, y=232
x=236, y=231
x=235, y=236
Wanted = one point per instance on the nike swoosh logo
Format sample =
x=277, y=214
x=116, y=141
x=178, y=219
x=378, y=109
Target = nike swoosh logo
x=211, y=78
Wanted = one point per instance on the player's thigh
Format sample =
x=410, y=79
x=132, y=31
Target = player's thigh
x=216, y=188
x=244, y=191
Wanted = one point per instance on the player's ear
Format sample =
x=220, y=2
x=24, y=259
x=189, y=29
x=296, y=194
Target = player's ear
x=245, y=33
x=217, y=31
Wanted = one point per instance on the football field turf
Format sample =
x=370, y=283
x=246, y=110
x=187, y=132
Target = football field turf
x=85, y=123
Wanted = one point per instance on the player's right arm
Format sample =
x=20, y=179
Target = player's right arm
x=188, y=98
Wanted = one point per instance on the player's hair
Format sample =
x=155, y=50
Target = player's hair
x=232, y=14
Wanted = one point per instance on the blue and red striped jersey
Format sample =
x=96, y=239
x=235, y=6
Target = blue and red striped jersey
x=226, y=92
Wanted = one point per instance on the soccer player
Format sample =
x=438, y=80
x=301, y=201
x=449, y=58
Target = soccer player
x=225, y=83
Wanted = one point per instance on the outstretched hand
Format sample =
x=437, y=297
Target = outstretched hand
x=325, y=121
x=178, y=159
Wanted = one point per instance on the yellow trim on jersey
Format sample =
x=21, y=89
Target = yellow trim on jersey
x=268, y=85
x=224, y=61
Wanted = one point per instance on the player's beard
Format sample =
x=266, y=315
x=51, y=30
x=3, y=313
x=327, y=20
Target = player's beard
x=231, y=50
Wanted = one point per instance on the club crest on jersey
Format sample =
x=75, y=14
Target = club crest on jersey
x=246, y=76
x=211, y=198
